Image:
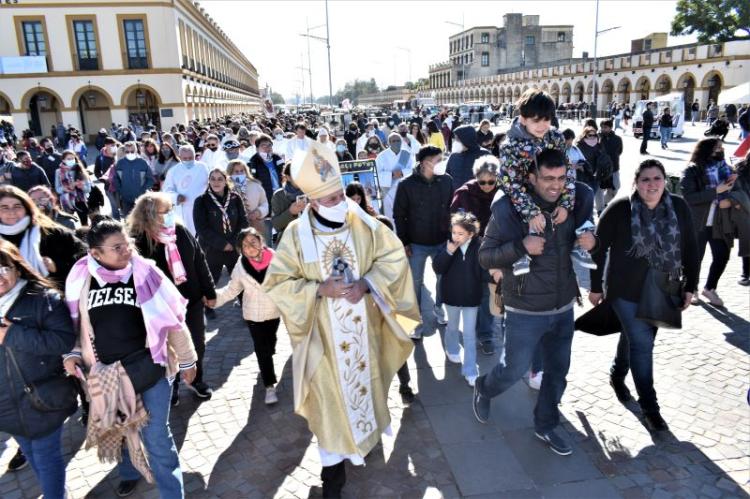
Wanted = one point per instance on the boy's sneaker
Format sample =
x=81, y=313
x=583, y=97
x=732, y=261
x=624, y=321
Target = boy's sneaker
x=583, y=258
x=558, y=444
x=481, y=406
x=535, y=380
x=271, y=397
x=471, y=380
x=201, y=390
x=18, y=462
x=454, y=357
x=522, y=265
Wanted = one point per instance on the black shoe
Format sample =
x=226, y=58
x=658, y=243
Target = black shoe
x=744, y=281
x=621, y=390
x=654, y=421
x=201, y=390
x=18, y=462
x=175, y=401
x=407, y=395
x=126, y=487
x=555, y=442
x=488, y=347
x=481, y=405
x=84, y=419
x=210, y=313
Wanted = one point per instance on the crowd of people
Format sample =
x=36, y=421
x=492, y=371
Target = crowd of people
x=107, y=276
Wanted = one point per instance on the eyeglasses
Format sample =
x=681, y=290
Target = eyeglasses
x=15, y=208
x=5, y=271
x=487, y=182
x=118, y=248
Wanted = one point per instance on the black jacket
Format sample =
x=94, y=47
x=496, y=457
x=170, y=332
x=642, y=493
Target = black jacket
x=25, y=179
x=598, y=162
x=694, y=192
x=462, y=277
x=551, y=284
x=208, y=221
x=260, y=171
x=421, y=209
x=648, y=119
x=626, y=274
x=612, y=144
x=40, y=332
x=461, y=164
x=50, y=163
x=102, y=164
x=199, y=281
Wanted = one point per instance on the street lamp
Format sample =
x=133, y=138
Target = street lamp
x=597, y=32
x=327, y=41
x=463, y=69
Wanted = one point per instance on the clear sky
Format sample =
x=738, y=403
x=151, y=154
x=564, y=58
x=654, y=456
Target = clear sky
x=368, y=37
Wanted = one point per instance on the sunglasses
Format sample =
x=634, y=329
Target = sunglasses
x=487, y=182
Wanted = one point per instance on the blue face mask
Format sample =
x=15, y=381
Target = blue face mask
x=396, y=146
x=169, y=220
x=189, y=164
x=341, y=149
x=239, y=179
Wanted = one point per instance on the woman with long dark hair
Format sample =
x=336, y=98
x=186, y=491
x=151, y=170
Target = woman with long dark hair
x=35, y=331
x=73, y=186
x=705, y=185
x=652, y=229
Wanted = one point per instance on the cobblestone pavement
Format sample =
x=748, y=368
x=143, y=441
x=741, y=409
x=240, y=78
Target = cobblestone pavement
x=235, y=446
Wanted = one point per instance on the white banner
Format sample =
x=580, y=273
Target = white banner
x=23, y=65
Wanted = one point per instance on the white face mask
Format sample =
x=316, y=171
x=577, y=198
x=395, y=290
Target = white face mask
x=457, y=147
x=70, y=162
x=336, y=214
x=113, y=150
x=131, y=156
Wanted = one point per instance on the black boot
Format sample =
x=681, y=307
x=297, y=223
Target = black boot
x=621, y=390
x=334, y=478
x=654, y=421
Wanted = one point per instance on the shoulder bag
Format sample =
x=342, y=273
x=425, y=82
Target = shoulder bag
x=661, y=301
x=54, y=394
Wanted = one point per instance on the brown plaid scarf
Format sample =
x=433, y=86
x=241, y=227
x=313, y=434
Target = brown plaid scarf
x=116, y=416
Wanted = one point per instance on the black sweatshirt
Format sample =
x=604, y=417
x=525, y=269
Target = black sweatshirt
x=627, y=273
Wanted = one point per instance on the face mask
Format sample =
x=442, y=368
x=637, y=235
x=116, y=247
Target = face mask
x=396, y=146
x=440, y=168
x=69, y=162
x=169, y=220
x=239, y=179
x=130, y=156
x=265, y=155
x=403, y=134
x=371, y=133
x=341, y=149
x=591, y=142
x=166, y=152
x=49, y=149
x=279, y=136
x=189, y=164
x=335, y=214
x=45, y=206
x=113, y=150
x=457, y=147
x=718, y=156
x=232, y=155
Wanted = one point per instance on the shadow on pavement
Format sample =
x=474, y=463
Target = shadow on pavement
x=739, y=334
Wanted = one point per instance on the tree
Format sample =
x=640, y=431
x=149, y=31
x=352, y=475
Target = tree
x=712, y=20
x=277, y=98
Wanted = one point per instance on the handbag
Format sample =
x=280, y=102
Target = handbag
x=600, y=320
x=661, y=301
x=54, y=394
x=142, y=370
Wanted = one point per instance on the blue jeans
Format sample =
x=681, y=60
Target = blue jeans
x=537, y=361
x=469, y=329
x=486, y=326
x=160, y=446
x=523, y=332
x=635, y=353
x=666, y=134
x=45, y=456
x=417, y=261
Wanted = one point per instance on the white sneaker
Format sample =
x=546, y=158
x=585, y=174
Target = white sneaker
x=535, y=380
x=713, y=297
x=454, y=357
x=271, y=397
x=471, y=380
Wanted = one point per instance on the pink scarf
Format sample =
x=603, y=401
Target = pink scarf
x=265, y=260
x=168, y=237
x=162, y=304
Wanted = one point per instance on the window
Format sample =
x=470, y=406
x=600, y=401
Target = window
x=85, y=43
x=560, y=36
x=647, y=44
x=530, y=40
x=471, y=42
x=33, y=38
x=485, y=59
x=485, y=38
x=136, y=52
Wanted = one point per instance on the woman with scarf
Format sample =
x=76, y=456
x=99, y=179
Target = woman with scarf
x=132, y=339
x=259, y=312
x=705, y=185
x=251, y=192
x=219, y=216
x=73, y=186
x=651, y=229
x=286, y=204
x=179, y=256
x=167, y=159
x=50, y=249
x=150, y=153
x=35, y=331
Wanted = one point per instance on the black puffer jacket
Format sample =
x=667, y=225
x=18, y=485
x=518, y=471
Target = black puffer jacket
x=462, y=277
x=41, y=331
x=421, y=209
x=461, y=164
x=260, y=171
x=551, y=284
x=209, y=225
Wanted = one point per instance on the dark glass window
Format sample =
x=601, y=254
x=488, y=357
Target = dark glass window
x=135, y=44
x=33, y=38
x=85, y=45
